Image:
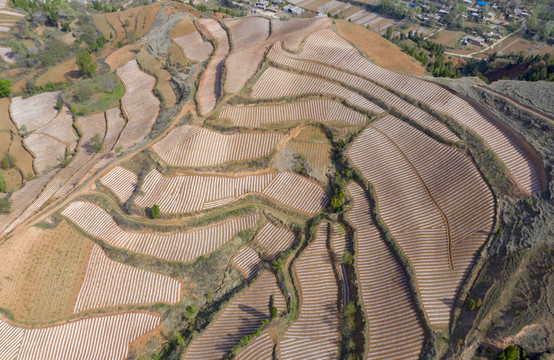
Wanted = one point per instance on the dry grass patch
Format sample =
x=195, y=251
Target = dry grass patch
x=152, y=66
x=42, y=272
x=448, y=38
x=379, y=49
x=13, y=179
x=183, y=28
x=24, y=159
x=122, y=56
x=58, y=73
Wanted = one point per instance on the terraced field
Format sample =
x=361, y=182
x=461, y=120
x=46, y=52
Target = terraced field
x=210, y=85
x=435, y=204
x=261, y=348
x=121, y=182
x=110, y=284
x=394, y=329
x=277, y=83
x=192, y=146
x=247, y=261
x=274, y=240
x=177, y=246
x=315, y=333
x=189, y=193
x=139, y=104
x=328, y=47
x=241, y=317
x=326, y=111
x=280, y=56
x=112, y=335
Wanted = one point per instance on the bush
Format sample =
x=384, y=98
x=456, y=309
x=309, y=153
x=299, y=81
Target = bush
x=3, y=185
x=471, y=304
x=5, y=206
x=155, y=211
x=512, y=352
x=347, y=258
x=97, y=144
x=85, y=64
x=5, y=88
x=274, y=312
x=83, y=92
x=7, y=162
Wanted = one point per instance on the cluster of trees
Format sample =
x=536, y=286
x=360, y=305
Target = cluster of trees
x=427, y=52
x=539, y=68
x=106, y=8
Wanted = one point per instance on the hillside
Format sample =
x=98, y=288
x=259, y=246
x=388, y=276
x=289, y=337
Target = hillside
x=194, y=184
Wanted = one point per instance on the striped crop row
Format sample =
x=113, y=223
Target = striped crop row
x=121, y=182
x=274, y=240
x=434, y=202
x=261, y=348
x=35, y=111
x=394, y=330
x=278, y=55
x=271, y=115
x=328, y=47
x=247, y=261
x=105, y=337
x=188, y=193
x=109, y=284
x=276, y=83
x=315, y=333
x=182, y=246
x=195, y=146
x=241, y=317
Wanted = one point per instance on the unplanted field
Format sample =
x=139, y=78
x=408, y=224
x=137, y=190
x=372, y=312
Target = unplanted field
x=435, y=203
x=174, y=246
x=190, y=193
x=394, y=330
x=241, y=317
x=112, y=335
x=139, y=105
x=191, y=146
x=379, y=49
x=42, y=272
x=190, y=41
x=152, y=66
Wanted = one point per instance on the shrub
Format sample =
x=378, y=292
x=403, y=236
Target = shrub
x=512, y=352
x=274, y=312
x=82, y=92
x=5, y=88
x=3, y=185
x=7, y=162
x=119, y=44
x=155, y=211
x=347, y=258
x=5, y=206
x=478, y=303
x=471, y=304
x=85, y=64
x=97, y=144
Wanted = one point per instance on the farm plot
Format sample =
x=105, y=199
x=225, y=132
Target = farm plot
x=287, y=113
x=163, y=78
x=209, y=88
x=183, y=246
x=48, y=152
x=121, y=182
x=261, y=348
x=110, y=284
x=189, y=193
x=35, y=111
x=435, y=204
x=276, y=83
x=339, y=242
x=111, y=338
x=194, y=47
x=240, y=318
x=242, y=64
x=394, y=330
x=247, y=261
x=328, y=47
x=247, y=31
x=195, y=146
x=274, y=240
x=315, y=333
x=278, y=55
x=139, y=105
x=42, y=272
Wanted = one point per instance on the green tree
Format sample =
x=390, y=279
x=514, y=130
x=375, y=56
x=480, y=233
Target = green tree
x=471, y=304
x=97, y=143
x=3, y=185
x=5, y=206
x=7, y=162
x=274, y=312
x=5, y=88
x=155, y=211
x=85, y=64
x=512, y=352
